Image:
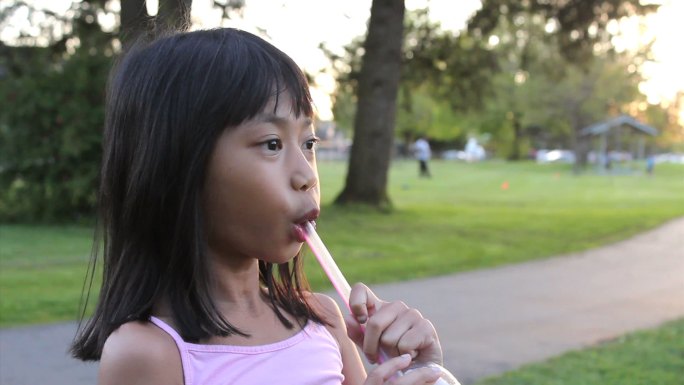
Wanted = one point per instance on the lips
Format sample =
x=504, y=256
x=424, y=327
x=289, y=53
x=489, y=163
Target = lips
x=299, y=233
x=299, y=230
x=311, y=215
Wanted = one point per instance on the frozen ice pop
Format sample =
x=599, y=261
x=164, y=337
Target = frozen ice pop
x=343, y=289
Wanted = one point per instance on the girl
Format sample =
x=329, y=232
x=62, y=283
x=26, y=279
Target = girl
x=209, y=174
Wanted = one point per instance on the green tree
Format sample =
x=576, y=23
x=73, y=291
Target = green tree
x=51, y=118
x=666, y=117
x=443, y=77
x=540, y=109
x=449, y=68
x=578, y=33
x=52, y=89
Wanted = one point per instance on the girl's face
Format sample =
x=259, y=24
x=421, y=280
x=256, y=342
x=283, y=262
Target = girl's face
x=261, y=186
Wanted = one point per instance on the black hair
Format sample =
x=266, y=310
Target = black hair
x=167, y=103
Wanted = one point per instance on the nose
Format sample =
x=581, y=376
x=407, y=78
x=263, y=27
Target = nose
x=304, y=176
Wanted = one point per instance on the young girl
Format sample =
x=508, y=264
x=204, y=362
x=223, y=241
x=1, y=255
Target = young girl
x=209, y=174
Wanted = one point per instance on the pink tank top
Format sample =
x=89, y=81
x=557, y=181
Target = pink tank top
x=310, y=357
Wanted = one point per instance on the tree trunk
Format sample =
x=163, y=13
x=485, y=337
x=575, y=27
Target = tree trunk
x=517, y=138
x=376, y=109
x=580, y=143
x=173, y=15
x=137, y=23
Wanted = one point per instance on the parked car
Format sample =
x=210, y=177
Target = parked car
x=670, y=157
x=556, y=155
x=453, y=155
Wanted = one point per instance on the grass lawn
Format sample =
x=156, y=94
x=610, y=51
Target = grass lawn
x=646, y=357
x=460, y=219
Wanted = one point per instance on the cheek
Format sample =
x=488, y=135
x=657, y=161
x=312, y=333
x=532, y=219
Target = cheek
x=221, y=203
x=231, y=199
x=246, y=211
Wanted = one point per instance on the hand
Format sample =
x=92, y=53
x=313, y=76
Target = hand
x=391, y=326
x=386, y=373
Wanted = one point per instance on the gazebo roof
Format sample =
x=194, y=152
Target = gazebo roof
x=622, y=120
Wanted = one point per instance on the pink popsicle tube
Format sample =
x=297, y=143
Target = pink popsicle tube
x=344, y=290
x=328, y=264
x=333, y=272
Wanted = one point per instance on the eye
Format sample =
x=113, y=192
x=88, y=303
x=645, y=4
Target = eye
x=273, y=145
x=311, y=144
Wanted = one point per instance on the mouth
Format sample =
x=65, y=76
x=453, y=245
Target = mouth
x=299, y=225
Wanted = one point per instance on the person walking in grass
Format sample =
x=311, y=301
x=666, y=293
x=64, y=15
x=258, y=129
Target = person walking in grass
x=421, y=149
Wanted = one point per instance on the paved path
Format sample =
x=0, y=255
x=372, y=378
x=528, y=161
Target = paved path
x=490, y=321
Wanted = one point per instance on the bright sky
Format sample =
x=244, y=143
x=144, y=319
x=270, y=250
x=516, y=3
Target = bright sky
x=337, y=22
x=299, y=26
x=665, y=75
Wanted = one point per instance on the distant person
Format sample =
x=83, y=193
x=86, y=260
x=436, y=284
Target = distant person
x=209, y=176
x=650, y=164
x=421, y=149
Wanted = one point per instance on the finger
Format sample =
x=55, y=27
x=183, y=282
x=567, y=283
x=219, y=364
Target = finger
x=363, y=302
x=421, y=342
x=406, y=333
x=385, y=371
x=386, y=320
x=355, y=331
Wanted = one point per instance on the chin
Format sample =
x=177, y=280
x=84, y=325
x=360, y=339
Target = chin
x=291, y=254
x=283, y=256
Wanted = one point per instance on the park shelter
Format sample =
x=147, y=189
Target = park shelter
x=619, y=138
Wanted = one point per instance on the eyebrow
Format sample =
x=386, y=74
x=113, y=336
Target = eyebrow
x=279, y=121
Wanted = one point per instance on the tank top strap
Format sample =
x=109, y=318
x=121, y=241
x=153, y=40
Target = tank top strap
x=180, y=344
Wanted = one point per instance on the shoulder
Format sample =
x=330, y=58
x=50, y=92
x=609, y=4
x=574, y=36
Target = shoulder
x=325, y=307
x=140, y=353
x=330, y=313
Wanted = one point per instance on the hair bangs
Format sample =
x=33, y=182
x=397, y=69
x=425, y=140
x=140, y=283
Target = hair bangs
x=255, y=76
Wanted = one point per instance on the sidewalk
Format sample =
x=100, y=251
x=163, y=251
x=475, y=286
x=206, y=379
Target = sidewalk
x=489, y=321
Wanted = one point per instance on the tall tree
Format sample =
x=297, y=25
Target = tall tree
x=371, y=150
x=172, y=15
x=443, y=77
x=451, y=69
x=137, y=22
x=580, y=28
x=52, y=101
x=51, y=114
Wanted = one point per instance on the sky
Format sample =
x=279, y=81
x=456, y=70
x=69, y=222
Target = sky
x=299, y=26
x=667, y=28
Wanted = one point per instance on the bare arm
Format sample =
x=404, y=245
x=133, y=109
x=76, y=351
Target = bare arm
x=353, y=369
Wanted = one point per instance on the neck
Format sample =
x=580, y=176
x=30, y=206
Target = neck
x=236, y=285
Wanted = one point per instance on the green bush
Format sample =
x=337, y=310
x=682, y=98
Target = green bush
x=51, y=117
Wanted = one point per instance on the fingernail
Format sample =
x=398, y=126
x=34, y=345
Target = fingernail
x=361, y=319
x=406, y=357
